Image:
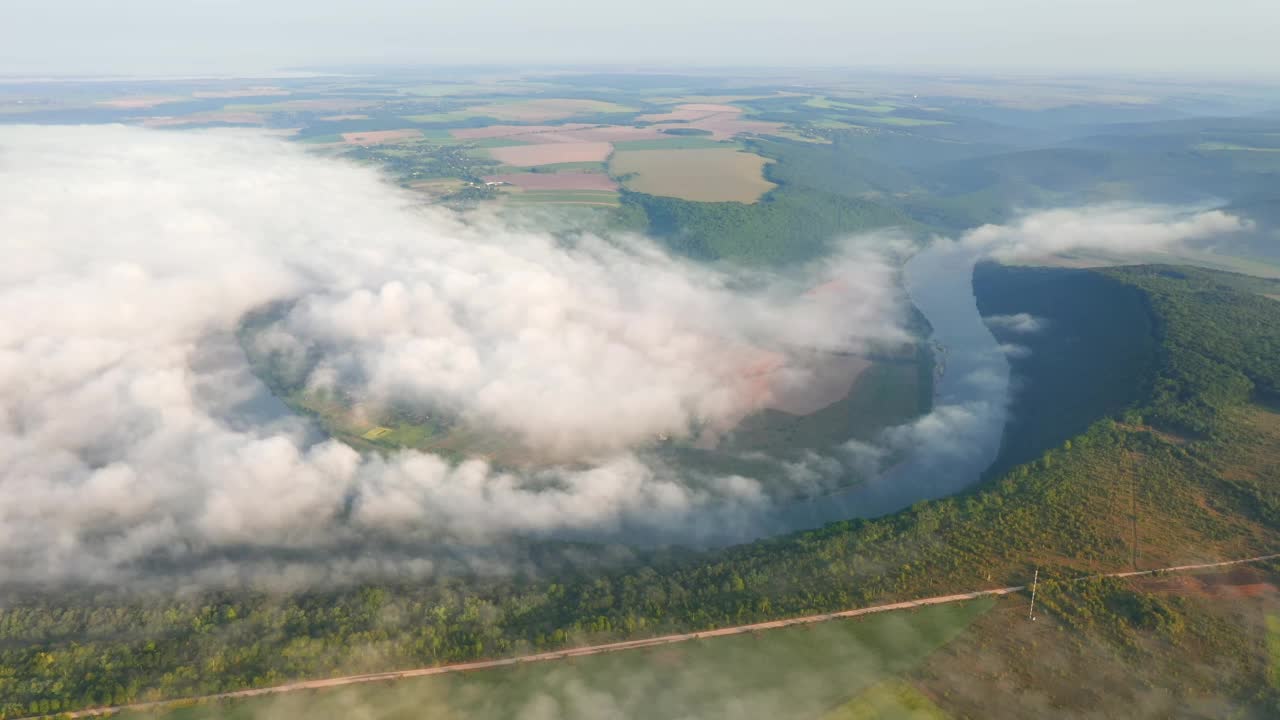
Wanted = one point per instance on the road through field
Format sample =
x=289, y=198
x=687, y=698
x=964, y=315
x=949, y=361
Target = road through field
x=631, y=644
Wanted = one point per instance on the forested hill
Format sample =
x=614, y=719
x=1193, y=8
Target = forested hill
x=1187, y=471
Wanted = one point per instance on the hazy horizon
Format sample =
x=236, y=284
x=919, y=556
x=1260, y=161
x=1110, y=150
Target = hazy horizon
x=149, y=37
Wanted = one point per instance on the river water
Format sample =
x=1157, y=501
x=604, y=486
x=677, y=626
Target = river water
x=946, y=450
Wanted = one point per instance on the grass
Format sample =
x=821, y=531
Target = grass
x=553, y=168
x=888, y=700
x=564, y=197
x=709, y=175
x=1193, y=657
x=1273, y=650
x=798, y=673
x=377, y=432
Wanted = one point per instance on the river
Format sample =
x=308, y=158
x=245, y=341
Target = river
x=946, y=450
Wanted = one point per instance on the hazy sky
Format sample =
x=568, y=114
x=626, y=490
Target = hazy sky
x=182, y=36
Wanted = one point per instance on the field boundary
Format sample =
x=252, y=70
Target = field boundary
x=588, y=650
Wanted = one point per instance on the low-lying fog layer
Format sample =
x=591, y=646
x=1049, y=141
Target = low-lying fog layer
x=131, y=429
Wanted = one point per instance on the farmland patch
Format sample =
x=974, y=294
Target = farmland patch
x=708, y=175
x=607, y=198
x=548, y=153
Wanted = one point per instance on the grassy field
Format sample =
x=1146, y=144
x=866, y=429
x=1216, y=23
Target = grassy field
x=708, y=175
x=888, y=700
x=1273, y=650
x=563, y=197
x=793, y=673
x=553, y=168
x=1182, y=647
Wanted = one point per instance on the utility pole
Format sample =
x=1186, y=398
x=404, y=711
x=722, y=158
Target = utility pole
x=1034, y=581
x=1134, y=546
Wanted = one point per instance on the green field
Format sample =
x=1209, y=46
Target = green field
x=888, y=700
x=564, y=197
x=795, y=673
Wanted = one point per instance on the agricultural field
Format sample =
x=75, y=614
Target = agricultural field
x=588, y=197
x=827, y=103
x=720, y=122
x=795, y=673
x=702, y=175
x=552, y=153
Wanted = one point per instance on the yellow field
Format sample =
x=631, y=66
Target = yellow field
x=705, y=175
x=888, y=699
x=376, y=432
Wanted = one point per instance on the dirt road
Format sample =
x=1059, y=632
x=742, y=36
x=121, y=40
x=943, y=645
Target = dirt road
x=632, y=644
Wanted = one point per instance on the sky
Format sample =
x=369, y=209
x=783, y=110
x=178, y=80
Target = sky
x=163, y=37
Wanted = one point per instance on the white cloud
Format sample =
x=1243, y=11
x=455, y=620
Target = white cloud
x=1018, y=322
x=132, y=432
x=125, y=422
x=1112, y=229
